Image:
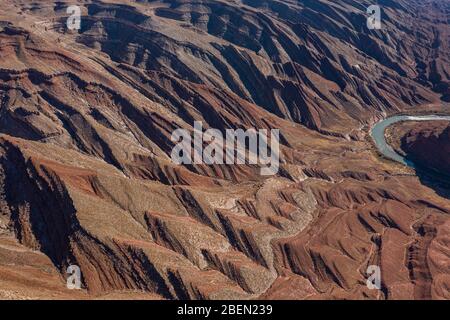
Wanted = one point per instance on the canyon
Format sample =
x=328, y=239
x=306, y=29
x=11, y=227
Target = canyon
x=86, y=178
x=430, y=146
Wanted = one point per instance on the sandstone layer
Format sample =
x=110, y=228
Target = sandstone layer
x=86, y=176
x=429, y=146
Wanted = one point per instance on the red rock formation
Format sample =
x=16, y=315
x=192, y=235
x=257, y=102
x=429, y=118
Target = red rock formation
x=429, y=146
x=86, y=176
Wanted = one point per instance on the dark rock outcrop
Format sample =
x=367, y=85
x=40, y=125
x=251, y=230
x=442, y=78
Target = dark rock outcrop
x=429, y=146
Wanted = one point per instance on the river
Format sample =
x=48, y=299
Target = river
x=379, y=138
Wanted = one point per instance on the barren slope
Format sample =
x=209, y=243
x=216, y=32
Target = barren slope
x=86, y=176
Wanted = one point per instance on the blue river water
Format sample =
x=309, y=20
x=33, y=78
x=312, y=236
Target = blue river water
x=379, y=138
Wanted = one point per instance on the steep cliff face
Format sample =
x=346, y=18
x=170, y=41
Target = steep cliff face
x=86, y=176
x=429, y=145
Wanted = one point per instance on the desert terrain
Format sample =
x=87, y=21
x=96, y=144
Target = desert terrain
x=86, y=178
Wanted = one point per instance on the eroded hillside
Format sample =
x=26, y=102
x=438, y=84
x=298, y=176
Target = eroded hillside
x=86, y=177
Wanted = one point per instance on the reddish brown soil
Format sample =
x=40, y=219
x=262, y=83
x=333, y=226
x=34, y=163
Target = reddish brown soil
x=86, y=176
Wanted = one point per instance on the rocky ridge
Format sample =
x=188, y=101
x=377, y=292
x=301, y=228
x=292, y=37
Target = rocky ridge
x=85, y=170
